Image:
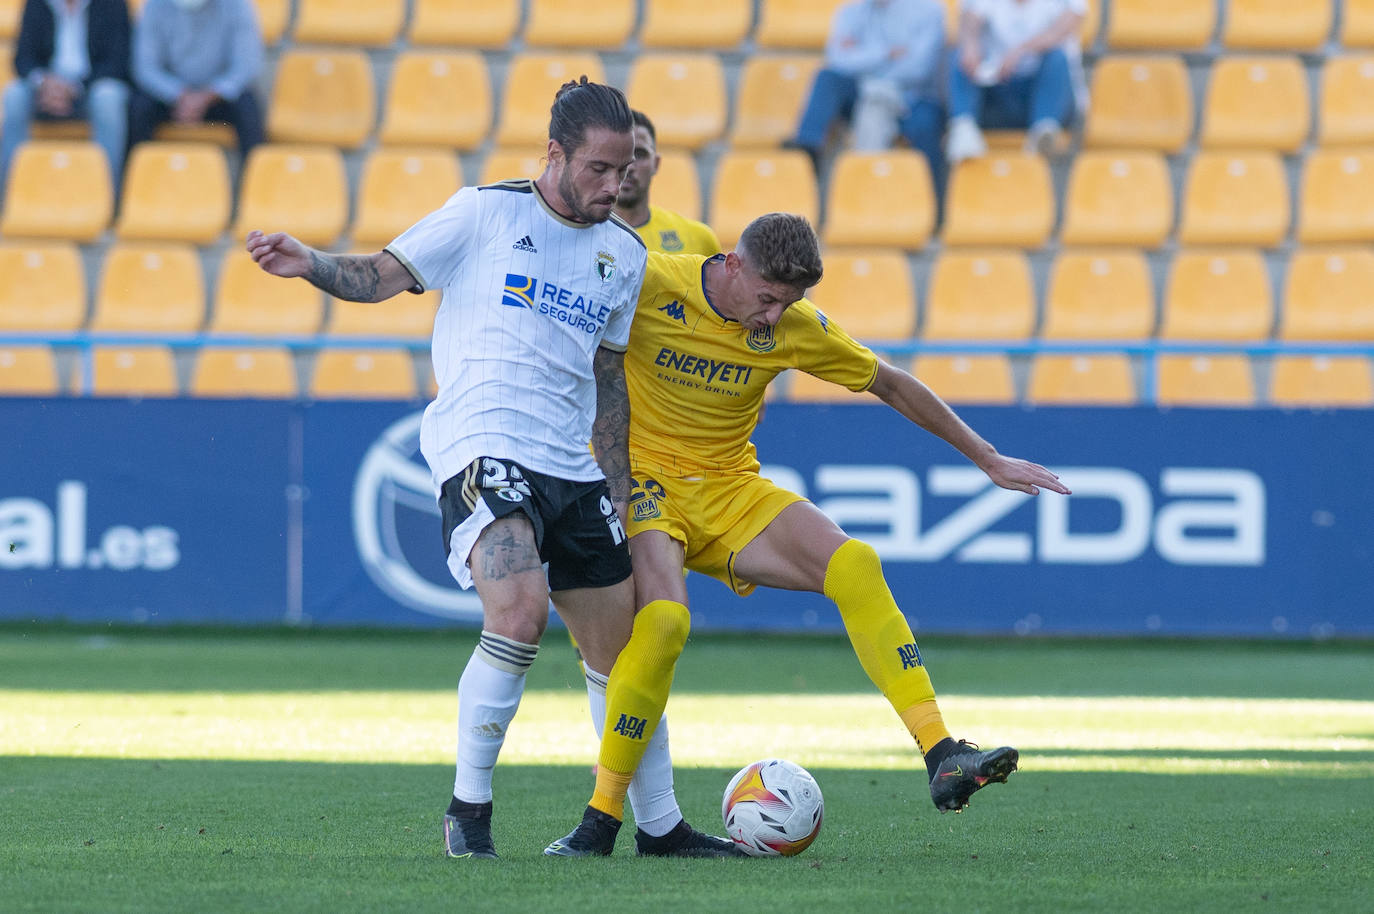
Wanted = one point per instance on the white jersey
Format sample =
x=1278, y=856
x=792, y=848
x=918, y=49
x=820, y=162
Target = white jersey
x=528, y=298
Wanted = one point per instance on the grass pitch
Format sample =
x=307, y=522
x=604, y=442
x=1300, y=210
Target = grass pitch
x=308, y=771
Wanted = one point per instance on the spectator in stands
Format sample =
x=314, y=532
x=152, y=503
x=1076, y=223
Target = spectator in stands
x=882, y=70
x=662, y=229
x=195, y=61
x=1016, y=66
x=72, y=63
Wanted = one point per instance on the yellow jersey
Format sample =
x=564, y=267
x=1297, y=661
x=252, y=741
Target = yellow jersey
x=673, y=233
x=697, y=379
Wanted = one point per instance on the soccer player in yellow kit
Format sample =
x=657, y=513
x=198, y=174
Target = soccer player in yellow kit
x=662, y=229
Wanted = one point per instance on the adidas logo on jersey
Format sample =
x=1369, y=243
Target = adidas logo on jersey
x=525, y=244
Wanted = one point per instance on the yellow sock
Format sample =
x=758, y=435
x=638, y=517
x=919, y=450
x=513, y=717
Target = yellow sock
x=883, y=641
x=636, y=695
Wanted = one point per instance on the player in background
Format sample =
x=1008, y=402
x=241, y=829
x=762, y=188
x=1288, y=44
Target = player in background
x=539, y=283
x=709, y=336
x=662, y=229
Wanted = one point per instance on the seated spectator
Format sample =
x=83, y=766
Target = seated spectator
x=195, y=61
x=882, y=64
x=1016, y=66
x=72, y=60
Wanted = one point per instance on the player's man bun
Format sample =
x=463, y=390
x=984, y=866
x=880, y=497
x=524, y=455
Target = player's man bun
x=580, y=104
x=783, y=248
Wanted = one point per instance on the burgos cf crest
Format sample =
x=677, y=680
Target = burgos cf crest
x=519, y=291
x=760, y=340
x=605, y=266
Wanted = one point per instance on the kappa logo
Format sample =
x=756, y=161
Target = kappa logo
x=525, y=244
x=675, y=310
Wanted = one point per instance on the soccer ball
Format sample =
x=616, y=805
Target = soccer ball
x=772, y=808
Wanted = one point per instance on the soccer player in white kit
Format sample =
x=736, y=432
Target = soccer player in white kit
x=539, y=283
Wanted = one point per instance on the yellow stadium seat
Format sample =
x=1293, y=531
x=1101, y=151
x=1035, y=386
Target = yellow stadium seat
x=1327, y=297
x=683, y=94
x=363, y=374
x=677, y=186
x=42, y=287
x=27, y=371
x=1256, y=103
x=1337, y=198
x=272, y=17
x=175, y=192
x=1235, y=198
x=397, y=188
x=249, y=301
x=362, y=22
x=322, y=97
x=150, y=288
x=464, y=23
x=1091, y=25
x=1205, y=380
x=749, y=184
x=532, y=80
x=970, y=379
x=571, y=24
x=869, y=294
x=1118, y=198
x=1277, y=24
x=1346, y=108
x=794, y=23
x=1082, y=380
x=1140, y=103
x=1099, y=295
x=130, y=371
x=772, y=93
x=297, y=189
x=980, y=295
x=403, y=316
x=1300, y=380
x=1357, y=24
x=217, y=133
x=438, y=98
x=1000, y=200
x=504, y=164
x=259, y=373
x=695, y=23
x=1218, y=295
x=57, y=189
x=6, y=51
x=1170, y=24
x=880, y=199
x=10, y=11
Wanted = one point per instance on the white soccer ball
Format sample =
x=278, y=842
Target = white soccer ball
x=773, y=808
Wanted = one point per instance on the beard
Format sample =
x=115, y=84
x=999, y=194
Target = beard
x=580, y=212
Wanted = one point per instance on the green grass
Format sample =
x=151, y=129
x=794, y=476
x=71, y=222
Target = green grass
x=307, y=771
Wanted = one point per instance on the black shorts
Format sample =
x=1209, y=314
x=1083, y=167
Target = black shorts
x=576, y=528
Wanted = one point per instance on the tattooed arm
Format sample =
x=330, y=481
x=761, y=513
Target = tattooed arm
x=354, y=277
x=611, y=428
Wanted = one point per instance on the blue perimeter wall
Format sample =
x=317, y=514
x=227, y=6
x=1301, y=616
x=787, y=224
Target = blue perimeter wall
x=1254, y=522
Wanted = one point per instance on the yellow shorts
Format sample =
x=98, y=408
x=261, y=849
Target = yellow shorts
x=714, y=516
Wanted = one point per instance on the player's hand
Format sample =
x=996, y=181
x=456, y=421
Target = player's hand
x=56, y=96
x=1023, y=476
x=279, y=254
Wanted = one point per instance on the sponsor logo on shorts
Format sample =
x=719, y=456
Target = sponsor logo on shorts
x=612, y=520
x=644, y=498
x=509, y=494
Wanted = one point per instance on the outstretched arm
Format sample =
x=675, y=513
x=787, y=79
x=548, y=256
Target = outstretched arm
x=354, y=277
x=921, y=405
x=611, y=428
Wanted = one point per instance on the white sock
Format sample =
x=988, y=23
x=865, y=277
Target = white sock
x=651, y=795
x=488, y=695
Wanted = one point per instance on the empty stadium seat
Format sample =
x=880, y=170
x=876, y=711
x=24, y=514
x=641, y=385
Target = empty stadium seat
x=438, y=98
x=695, y=23
x=1118, y=198
x=677, y=186
x=1256, y=103
x=27, y=371
x=10, y=11
x=968, y=379
x=129, y=371
x=1337, y=198
x=1277, y=24
x=363, y=374
x=794, y=23
x=397, y=188
x=1235, y=198
x=504, y=164
x=464, y=23
x=57, y=189
x=571, y=24
x=6, y=53
x=1346, y=109
x=1000, y=200
x=1140, y=103
x=983, y=295
x=1168, y=24
x=363, y=22
x=272, y=17
x=297, y=189
x=683, y=94
x=1099, y=295
x=402, y=316
x=1204, y=380
x=322, y=97
x=218, y=133
x=1218, y=295
x=262, y=372
x=532, y=80
x=749, y=184
x=1091, y=26
x=150, y=288
x=42, y=287
x=880, y=199
x=1357, y=24
x=869, y=294
x=249, y=301
x=175, y=192
x=772, y=93
x=1082, y=380
x=1321, y=381
x=1327, y=297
